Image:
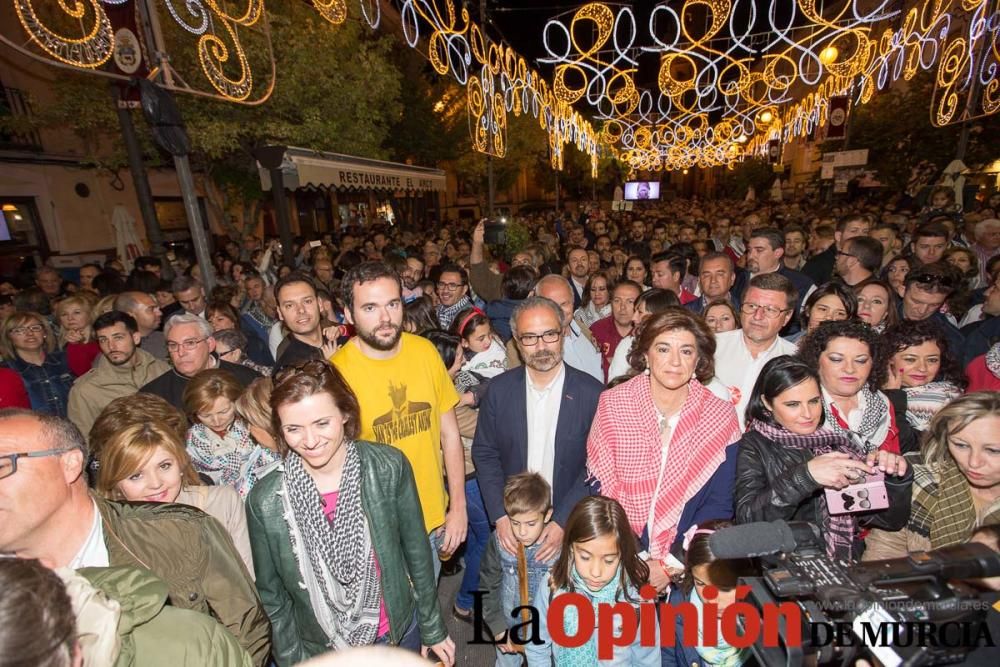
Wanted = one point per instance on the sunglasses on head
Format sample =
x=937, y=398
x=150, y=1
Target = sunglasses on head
x=314, y=367
x=933, y=281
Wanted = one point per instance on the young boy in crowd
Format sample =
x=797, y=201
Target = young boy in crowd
x=510, y=580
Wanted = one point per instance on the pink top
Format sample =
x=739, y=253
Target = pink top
x=330, y=509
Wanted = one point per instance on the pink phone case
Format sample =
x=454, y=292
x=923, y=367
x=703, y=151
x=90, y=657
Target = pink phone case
x=865, y=496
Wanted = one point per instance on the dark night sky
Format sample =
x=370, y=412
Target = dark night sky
x=521, y=23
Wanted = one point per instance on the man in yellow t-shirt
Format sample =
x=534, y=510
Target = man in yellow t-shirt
x=406, y=397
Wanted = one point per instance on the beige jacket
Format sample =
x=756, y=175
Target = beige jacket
x=105, y=382
x=223, y=504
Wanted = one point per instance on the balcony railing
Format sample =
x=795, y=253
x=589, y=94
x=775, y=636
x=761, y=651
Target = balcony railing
x=13, y=102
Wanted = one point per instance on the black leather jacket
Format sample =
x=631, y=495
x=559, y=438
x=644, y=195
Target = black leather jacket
x=773, y=482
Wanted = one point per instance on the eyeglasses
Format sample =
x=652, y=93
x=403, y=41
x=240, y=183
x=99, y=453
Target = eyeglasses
x=31, y=328
x=530, y=340
x=8, y=462
x=770, y=312
x=841, y=253
x=188, y=345
x=451, y=287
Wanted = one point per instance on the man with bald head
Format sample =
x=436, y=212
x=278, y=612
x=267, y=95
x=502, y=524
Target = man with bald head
x=579, y=349
x=48, y=513
x=147, y=315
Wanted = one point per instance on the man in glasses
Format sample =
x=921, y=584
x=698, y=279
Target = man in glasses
x=819, y=268
x=47, y=512
x=859, y=260
x=765, y=252
x=766, y=306
x=927, y=288
x=192, y=350
x=453, y=294
x=121, y=369
x=536, y=418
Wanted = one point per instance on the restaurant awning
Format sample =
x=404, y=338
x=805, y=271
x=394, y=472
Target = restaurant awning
x=304, y=168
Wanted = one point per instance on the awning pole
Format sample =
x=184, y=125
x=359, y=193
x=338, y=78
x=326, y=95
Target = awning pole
x=271, y=158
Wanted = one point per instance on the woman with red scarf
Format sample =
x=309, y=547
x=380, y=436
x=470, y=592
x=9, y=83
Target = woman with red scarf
x=659, y=443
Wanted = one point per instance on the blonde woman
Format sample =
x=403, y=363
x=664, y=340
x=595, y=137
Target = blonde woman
x=148, y=463
x=219, y=440
x=28, y=347
x=956, y=486
x=76, y=336
x=254, y=406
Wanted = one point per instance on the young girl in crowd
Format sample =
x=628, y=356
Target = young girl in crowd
x=485, y=356
x=703, y=569
x=219, y=441
x=148, y=463
x=599, y=560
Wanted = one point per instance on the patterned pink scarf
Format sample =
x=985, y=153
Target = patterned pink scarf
x=623, y=453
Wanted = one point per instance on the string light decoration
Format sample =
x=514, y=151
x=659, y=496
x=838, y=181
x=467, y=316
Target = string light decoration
x=732, y=74
x=79, y=34
x=91, y=49
x=503, y=84
x=723, y=77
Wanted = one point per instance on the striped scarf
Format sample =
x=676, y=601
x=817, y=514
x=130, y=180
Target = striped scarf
x=875, y=421
x=923, y=402
x=942, y=509
x=447, y=314
x=336, y=558
x=838, y=530
x=232, y=460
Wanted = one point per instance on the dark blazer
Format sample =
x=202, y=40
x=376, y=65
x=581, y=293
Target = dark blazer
x=713, y=501
x=819, y=268
x=500, y=448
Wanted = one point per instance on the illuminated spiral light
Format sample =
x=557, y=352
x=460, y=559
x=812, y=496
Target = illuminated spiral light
x=196, y=9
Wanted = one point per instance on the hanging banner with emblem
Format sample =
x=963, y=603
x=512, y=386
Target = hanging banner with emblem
x=836, y=127
x=130, y=55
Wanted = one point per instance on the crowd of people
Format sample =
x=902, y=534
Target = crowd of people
x=285, y=465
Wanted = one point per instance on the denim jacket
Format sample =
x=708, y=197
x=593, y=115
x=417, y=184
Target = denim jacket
x=498, y=577
x=48, y=385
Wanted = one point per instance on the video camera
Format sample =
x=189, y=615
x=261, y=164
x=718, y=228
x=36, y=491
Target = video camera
x=850, y=611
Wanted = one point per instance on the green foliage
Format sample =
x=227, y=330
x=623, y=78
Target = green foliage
x=753, y=172
x=527, y=148
x=518, y=238
x=420, y=135
x=337, y=90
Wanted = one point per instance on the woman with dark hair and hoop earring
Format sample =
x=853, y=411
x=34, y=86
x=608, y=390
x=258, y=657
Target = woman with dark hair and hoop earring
x=788, y=457
x=851, y=359
x=923, y=374
x=876, y=303
x=340, y=560
x=830, y=302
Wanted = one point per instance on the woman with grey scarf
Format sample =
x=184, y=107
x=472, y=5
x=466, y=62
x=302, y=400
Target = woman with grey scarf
x=340, y=561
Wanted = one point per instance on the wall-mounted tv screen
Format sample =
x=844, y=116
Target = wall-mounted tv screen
x=638, y=190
